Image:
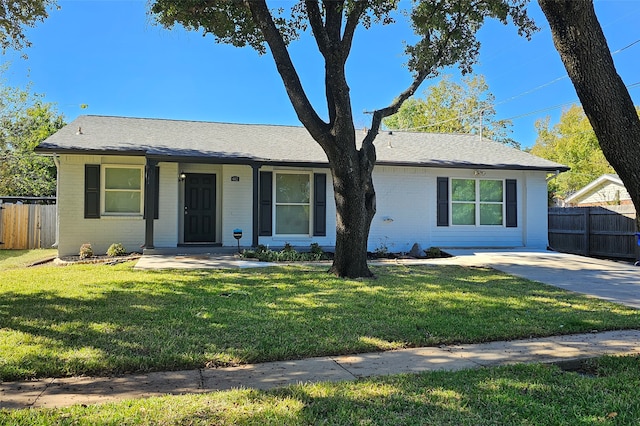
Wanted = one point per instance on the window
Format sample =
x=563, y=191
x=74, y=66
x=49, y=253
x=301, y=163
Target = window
x=477, y=202
x=122, y=190
x=292, y=203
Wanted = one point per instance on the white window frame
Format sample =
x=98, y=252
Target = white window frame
x=477, y=202
x=104, y=190
x=276, y=204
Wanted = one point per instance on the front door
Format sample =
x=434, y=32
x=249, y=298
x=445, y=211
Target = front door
x=200, y=208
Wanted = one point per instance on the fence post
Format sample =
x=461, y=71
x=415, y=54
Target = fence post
x=587, y=231
x=1, y=226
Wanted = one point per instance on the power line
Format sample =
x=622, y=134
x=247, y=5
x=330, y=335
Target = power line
x=512, y=98
x=626, y=47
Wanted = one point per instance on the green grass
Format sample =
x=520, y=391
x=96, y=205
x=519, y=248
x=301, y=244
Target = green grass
x=512, y=395
x=10, y=259
x=100, y=319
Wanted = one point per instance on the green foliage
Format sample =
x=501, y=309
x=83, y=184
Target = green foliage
x=25, y=121
x=316, y=249
x=433, y=252
x=450, y=107
x=287, y=254
x=446, y=30
x=86, y=251
x=116, y=249
x=571, y=142
x=18, y=15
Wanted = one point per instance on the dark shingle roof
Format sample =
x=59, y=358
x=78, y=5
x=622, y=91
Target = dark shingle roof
x=172, y=139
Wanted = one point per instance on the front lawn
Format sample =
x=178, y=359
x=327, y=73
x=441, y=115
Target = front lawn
x=10, y=259
x=101, y=319
x=605, y=393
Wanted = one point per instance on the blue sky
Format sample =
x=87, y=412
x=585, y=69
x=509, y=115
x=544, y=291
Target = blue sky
x=112, y=57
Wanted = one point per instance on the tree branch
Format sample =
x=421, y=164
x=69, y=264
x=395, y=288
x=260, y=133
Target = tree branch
x=333, y=10
x=379, y=114
x=350, y=28
x=317, y=26
x=301, y=104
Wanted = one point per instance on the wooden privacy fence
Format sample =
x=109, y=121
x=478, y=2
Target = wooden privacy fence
x=27, y=226
x=594, y=231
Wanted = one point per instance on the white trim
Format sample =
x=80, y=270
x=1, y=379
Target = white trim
x=103, y=190
x=594, y=184
x=477, y=202
x=275, y=203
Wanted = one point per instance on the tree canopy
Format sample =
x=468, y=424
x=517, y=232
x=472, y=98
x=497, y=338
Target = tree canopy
x=571, y=142
x=449, y=107
x=446, y=35
x=18, y=15
x=25, y=121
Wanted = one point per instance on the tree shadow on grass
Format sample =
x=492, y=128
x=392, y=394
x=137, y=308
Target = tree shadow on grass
x=519, y=394
x=212, y=318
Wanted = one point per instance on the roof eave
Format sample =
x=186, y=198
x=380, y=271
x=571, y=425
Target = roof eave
x=452, y=165
x=220, y=159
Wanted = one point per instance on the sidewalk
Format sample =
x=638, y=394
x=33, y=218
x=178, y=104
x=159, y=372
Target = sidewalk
x=93, y=390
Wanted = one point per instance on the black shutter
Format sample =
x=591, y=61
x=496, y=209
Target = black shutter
x=511, y=203
x=156, y=196
x=443, y=201
x=92, y=191
x=320, y=205
x=266, y=209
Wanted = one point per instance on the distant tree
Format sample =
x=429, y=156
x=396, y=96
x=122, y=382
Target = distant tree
x=446, y=35
x=571, y=142
x=25, y=121
x=578, y=38
x=16, y=16
x=450, y=107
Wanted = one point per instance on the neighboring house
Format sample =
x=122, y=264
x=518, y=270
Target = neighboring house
x=166, y=184
x=607, y=190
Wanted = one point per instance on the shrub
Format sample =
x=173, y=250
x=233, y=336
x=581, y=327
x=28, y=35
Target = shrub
x=116, y=249
x=86, y=251
x=433, y=252
x=287, y=254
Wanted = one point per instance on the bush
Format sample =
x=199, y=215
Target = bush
x=86, y=251
x=433, y=252
x=287, y=254
x=116, y=249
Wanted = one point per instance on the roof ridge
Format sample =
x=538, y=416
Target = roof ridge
x=188, y=121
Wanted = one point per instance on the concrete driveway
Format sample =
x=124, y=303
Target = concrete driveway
x=606, y=279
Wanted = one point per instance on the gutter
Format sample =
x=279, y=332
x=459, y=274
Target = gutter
x=553, y=176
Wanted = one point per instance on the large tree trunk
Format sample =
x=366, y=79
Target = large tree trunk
x=355, y=207
x=583, y=49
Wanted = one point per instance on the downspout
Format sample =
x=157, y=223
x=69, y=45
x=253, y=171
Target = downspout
x=56, y=161
x=553, y=176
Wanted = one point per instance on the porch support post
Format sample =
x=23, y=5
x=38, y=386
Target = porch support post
x=149, y=201
x=256, y=204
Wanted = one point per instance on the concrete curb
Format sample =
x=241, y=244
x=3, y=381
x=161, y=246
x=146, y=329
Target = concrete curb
x=53, y=392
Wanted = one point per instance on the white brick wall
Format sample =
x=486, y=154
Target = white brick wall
x=406, y=209
x=75, y=230
x=237, y=204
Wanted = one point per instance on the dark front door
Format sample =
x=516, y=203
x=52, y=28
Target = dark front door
x=200, y=208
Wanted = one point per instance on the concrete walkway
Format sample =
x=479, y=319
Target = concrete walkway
x=94, y=390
